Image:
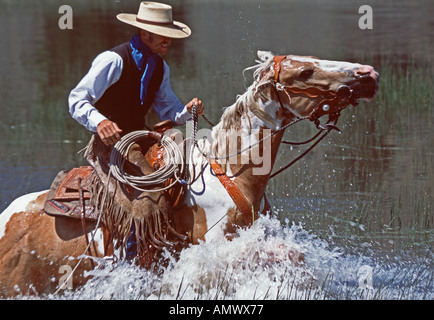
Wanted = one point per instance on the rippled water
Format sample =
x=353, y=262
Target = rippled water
x=361, y=199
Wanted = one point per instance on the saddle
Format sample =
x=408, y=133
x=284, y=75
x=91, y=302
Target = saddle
x=70, y=196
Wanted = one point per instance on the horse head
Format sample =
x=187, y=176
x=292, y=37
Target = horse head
x=307, y=87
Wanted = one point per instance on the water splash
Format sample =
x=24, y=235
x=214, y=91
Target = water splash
x=261, y=264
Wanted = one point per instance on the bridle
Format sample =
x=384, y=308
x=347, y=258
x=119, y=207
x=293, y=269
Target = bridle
x=332, y=103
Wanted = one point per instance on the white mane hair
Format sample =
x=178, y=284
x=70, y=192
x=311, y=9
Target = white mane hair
x=248, y=101
x=264, y=62
x=246, y=106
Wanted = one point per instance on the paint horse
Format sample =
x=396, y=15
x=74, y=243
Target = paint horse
x=226, y=182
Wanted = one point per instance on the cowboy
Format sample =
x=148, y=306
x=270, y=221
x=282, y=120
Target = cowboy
x=123, y=83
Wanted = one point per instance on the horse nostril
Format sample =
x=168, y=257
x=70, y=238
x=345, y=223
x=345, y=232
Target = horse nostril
x=363, y=71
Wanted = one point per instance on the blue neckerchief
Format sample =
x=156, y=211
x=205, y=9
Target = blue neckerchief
x=145, y=60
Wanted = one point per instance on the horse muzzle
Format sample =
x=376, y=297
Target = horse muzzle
x=364, y=86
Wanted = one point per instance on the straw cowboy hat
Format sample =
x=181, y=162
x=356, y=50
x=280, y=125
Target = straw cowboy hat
x=156, y=18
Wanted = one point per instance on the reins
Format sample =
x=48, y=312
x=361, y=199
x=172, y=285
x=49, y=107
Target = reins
x=325, y=129
x=274, y=132
x=318, y=140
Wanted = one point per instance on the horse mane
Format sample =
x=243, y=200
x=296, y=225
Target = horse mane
x=248, y=101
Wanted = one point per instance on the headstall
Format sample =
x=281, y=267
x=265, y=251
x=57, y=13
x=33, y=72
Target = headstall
x=332, y=103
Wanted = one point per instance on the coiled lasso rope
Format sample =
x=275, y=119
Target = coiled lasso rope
x=173, y=159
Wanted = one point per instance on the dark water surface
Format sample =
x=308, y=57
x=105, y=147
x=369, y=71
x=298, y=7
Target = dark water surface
x=372, y=185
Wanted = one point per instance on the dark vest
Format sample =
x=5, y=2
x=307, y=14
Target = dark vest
x=121, y=102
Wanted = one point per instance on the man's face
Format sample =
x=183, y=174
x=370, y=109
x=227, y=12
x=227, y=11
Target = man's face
x=158, y=44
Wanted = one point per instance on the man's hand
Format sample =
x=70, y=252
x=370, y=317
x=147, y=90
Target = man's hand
x=199, y=106
x=109, y=132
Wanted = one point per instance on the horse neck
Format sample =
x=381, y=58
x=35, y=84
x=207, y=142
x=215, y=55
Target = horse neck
x=250, y=169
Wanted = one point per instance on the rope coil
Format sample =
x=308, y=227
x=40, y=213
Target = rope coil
x=173, y=167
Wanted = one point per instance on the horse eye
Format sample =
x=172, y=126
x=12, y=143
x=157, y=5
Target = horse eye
x=305, y=74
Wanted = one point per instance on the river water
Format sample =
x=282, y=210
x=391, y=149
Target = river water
x=362, y=200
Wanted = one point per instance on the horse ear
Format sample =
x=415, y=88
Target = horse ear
x=265, y=55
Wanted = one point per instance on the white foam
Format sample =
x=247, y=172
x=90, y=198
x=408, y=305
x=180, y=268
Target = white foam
x=237, y=269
